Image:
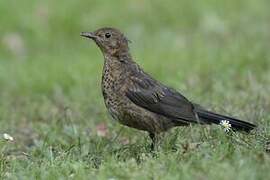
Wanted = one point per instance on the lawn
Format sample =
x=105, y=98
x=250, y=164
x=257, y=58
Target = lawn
x=214, y=52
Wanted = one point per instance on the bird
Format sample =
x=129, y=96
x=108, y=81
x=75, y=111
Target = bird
x=137, y=100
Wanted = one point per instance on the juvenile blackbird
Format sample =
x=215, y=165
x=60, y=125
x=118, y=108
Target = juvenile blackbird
x=137, y=100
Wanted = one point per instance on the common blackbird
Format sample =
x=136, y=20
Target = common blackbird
x=137, y=100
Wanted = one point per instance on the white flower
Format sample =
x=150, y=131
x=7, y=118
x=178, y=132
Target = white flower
x=143, y=156
x=8, y=137
x=226, y=125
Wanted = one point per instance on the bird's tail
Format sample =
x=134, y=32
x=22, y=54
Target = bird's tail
x=236, y=124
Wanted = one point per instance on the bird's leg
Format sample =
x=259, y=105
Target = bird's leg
x=154, y=140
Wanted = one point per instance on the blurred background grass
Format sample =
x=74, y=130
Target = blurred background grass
x=216, y=53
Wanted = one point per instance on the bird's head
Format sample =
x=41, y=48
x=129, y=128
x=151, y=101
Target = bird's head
x=110, y=40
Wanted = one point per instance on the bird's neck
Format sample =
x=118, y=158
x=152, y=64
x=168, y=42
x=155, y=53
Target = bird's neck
x=115, y=66
x=120, y=57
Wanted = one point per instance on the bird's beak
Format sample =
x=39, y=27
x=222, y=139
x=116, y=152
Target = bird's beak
x=89, y=35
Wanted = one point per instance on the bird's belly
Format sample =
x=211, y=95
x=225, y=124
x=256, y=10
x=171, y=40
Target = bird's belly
x=111, y=102
x=142, y=119
x=131, y=115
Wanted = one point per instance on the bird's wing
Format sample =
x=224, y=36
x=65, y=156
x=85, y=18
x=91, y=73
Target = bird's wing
x=145, y=92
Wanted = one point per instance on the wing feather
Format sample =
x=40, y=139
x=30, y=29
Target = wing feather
x=145, y=92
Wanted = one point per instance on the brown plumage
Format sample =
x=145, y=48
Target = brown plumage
x=139, y=101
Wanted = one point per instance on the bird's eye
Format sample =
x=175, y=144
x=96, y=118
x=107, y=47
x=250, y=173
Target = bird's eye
x=108, y=35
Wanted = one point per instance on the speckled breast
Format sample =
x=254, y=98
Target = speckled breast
x=109, y=91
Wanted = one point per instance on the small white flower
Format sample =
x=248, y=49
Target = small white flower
x=143, y=156
x=226, y=125
x=8, y=137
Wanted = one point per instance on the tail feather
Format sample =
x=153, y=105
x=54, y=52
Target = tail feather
x=210, y=117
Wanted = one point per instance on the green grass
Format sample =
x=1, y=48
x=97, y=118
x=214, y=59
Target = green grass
x=216, y=53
